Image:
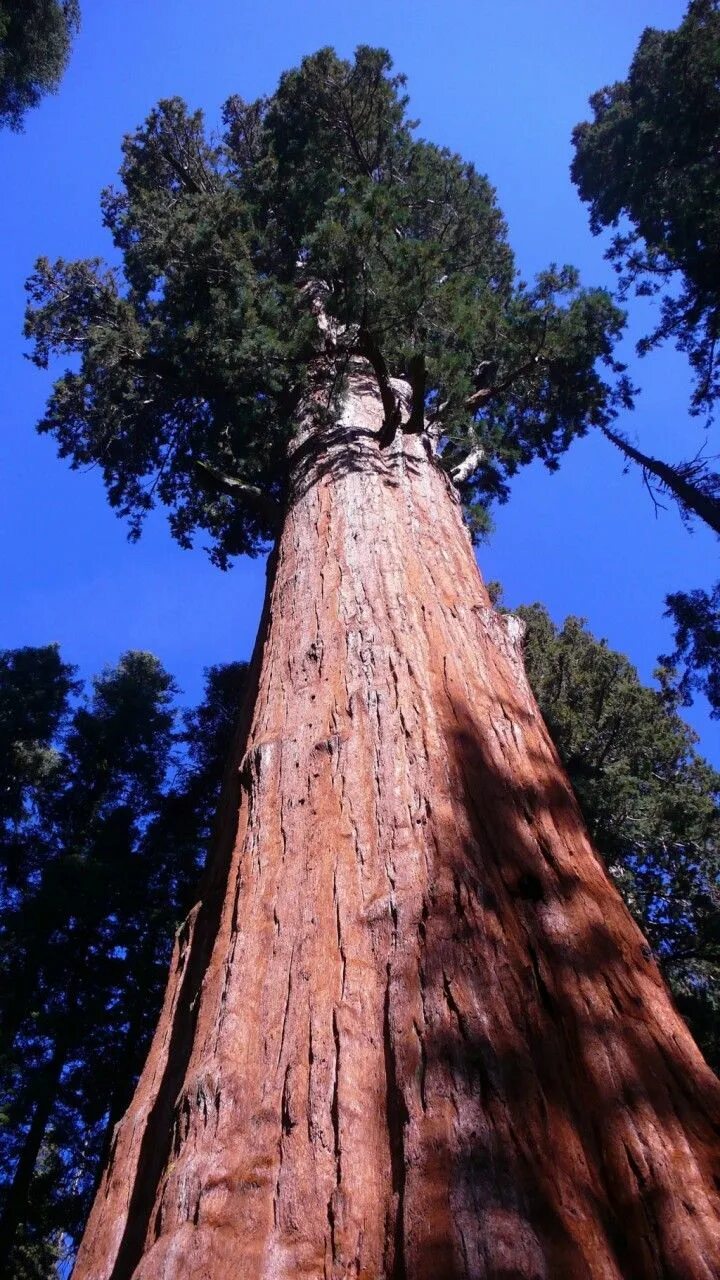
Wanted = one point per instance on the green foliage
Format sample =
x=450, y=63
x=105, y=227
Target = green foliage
x=648, y=164
x=652, y=805
x=34, y=689
x=649, y=158
x=316, y=228
x=696, y=615
x=35, y=41
x=101, y=840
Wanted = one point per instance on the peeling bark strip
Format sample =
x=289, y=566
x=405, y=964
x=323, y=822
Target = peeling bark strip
x=423, y=1038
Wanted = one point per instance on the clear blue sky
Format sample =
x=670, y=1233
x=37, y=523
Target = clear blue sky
x=501, y=83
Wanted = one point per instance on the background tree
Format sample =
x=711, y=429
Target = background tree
x=35, y=688
x=696, y=615
x=105, y=829
x=378, y=1051
x=35, y=42
x=647, y=166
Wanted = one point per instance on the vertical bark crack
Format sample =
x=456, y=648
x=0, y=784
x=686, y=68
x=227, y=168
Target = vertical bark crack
x=287, y=1006
x=397, y=1118
x=338, y=929
x=334, y=1107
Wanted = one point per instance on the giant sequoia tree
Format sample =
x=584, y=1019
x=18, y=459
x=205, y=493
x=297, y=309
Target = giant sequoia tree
x=411, y=1029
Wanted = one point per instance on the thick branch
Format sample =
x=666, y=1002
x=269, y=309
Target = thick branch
x=211, y=478
x=688, y=495
x=369, y=348
x=182, y=172
x=486, y=393
x=464, y=469
x=416, y=377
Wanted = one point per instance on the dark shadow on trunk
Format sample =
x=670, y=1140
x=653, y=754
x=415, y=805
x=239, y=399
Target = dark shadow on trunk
x=530, y=1085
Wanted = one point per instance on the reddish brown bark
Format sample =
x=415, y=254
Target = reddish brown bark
x=412, y=1032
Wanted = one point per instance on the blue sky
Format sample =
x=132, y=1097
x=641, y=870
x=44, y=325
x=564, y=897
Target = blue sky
x=501, y=83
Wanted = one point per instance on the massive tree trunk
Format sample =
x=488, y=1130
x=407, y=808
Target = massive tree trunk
x=412, y=1032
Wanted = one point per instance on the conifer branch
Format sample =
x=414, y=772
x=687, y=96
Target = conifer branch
x=674, y=480
x=470, y=463
x=212, y=478
x=487, y=393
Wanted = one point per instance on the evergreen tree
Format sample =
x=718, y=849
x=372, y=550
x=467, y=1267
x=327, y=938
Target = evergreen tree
x=696, y=615
x=35, y=40
x=106, y=840
x=35, y=688
x=648, y=161
x=408, y=987
x=647, y=164
x=316, y=231
x=35, y=685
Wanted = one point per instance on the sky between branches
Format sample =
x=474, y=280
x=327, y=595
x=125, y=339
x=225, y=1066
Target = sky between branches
x=503, y=85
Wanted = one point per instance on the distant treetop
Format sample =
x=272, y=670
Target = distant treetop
x=647, y=165
x=35, y=41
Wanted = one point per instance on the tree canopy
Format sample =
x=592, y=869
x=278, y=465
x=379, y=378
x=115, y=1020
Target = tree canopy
x=647, y=166
x=107, y=806
x=696, y=615
x=35, y=41
x=315, y=229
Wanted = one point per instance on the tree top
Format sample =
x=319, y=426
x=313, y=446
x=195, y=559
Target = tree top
x=647, y=166
x=192, y=360
x=35, y=40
